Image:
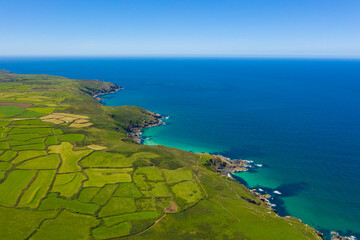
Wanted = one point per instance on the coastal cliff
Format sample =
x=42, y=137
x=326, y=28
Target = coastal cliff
x=135, y=130
x=132, y=119
x=97, y=88
x=224, y=165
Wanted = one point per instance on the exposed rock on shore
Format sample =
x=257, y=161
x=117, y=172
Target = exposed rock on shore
x=135, y=130
x=97, y=88
x=336, y=236
x=262, y=197
x=225, y=165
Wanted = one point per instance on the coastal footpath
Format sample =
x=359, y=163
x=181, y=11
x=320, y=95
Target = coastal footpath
x=72, y=168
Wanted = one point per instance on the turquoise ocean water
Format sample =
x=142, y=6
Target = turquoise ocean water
x=299, y=119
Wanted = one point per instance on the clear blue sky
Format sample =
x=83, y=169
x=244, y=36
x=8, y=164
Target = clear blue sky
x=181, y=27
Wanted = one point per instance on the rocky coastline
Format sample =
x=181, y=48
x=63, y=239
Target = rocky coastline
x=95, y=91
x=112, y=90
x=135, y=131
x=223, y=165
x=226, y=166
x=336, y=236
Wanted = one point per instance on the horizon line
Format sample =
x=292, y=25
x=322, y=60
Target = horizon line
x=219, y=56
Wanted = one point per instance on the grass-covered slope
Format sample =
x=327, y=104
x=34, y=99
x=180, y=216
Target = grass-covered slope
x=69, y=171
x=128, y=116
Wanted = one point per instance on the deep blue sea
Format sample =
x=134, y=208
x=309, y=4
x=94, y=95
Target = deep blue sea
x=299, y=118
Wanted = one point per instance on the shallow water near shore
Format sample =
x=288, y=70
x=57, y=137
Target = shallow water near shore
x=299, y=118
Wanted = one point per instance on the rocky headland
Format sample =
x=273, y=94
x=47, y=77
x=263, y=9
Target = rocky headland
x=224, y=165
x=135, y=130
x=91, y=87
x=227, y=166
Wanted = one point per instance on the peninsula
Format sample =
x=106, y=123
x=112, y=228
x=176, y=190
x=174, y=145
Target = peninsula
x=71, y=169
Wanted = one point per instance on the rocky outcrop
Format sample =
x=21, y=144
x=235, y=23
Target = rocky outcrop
x=136, y=130
x=225, y=165
x=263, y=197
x=97, y=88
x=320, y=234
x=111, y=89
x=336, y=236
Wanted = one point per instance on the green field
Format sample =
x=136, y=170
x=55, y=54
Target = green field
x=26, y=142
x=36, y=146
x=99, y=177
x=8, y=155
x=118, y=205
x=10, y=111
x=104, y=232
x=24, y=155
x=24, y=137
x=88, y=193
x=51, y=161
x=110, y=221
x=19, y=223
x=5, y=166
x=29, y=130
x=151, y=173
x=66, y=226
x=51, y=140
x=159, y=189
x=71, y=137
x=54, y=202
x=128, y=190
x=103, y=159
x=68, y=184
x=38, y=189
x=68, y=170
x=177, y=175
x=104, y=194
x=13, y=185
x=188, y=191
x=4, y=145
x=69, y=157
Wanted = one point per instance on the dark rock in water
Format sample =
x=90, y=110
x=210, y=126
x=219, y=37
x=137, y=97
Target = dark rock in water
x=336, y=236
